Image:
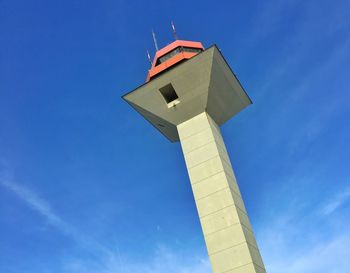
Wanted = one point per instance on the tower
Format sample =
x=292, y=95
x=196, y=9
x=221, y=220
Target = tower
x=189, y=92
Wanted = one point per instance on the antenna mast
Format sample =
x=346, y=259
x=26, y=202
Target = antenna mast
x=174, y=30
x=149, y=57
x=155, y=40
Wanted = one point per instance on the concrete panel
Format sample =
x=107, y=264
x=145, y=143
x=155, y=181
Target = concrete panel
x=214, y=202
x=249, y=268
x=223, y=154
x=220, y=220
x=209, y=185
x=237, y=200
x=256, y=257
x=201, y=154
x=225, y=238
x=167, y=129
x=248, y=234
x=224, y=100
x=231, y=258
x=197, y=140
x=206, y=169
x=196, y=125
x=243, y=218
x=228, y=169
x=232, y=183
x=224, y=218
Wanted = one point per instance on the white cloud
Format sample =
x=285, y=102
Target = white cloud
x=306, y=241
x=327, y=256
x=163, y=260
x=330, y=256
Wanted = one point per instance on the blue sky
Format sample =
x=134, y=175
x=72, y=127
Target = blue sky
x=86, y=185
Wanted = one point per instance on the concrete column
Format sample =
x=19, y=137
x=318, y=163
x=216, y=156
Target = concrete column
x=227, y=231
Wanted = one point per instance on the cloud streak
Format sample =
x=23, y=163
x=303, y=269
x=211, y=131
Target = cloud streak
x=336, y=202
x=106, y=260
x=305, y=240
x=162, y=260
x=42, y=207
x=37, y=204
x=326, y=256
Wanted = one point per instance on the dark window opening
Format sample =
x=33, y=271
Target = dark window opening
x=176, y=51
x=169, y=55
x=190, y=49
x=168, y=93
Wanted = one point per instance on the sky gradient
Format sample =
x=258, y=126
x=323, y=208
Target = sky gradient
x=88, y=186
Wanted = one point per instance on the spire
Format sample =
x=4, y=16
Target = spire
x=174, y=30
x=149, y=57
x=155, y=40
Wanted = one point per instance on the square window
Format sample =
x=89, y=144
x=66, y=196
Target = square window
x=168, y=93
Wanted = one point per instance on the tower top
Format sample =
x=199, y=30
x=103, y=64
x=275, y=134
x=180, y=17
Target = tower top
x=172, y=54
x=184, y=81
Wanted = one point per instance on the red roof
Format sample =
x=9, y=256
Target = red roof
x=182, y=55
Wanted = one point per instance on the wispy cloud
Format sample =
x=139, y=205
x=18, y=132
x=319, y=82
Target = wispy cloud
x=42, y=207
x=305, y=240
x=336, y=202
x=328, y=255
x=106, y=260
x=37, y=204
x=163, y=260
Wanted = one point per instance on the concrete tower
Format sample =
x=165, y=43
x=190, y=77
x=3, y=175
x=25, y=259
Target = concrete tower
x=189, y=92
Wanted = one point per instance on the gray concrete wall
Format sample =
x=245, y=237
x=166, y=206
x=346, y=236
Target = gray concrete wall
x=227, y=231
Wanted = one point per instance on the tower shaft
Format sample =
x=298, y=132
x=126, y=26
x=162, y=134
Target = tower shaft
x=228, y=235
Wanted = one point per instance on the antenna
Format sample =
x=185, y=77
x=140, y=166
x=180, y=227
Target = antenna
x=149, y=57
x=174, y=30
x=154, y=40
